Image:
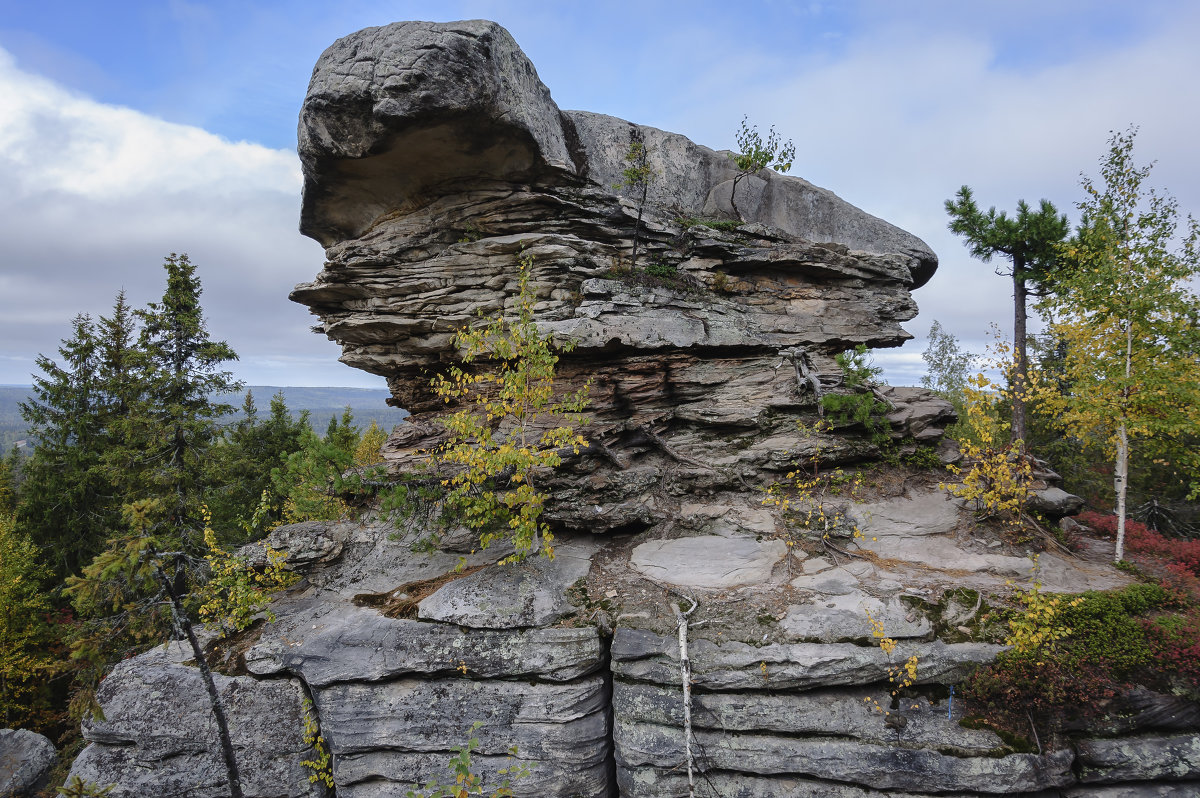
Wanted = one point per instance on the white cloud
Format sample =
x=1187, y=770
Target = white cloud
x=92, y=196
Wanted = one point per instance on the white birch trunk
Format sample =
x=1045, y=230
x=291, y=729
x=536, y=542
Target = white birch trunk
x=1121, y=471
x=685, y=674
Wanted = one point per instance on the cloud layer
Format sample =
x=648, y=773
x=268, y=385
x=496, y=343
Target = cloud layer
x=92, y=197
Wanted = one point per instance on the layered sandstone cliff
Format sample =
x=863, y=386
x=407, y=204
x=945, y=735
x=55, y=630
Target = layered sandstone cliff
x=434, y=159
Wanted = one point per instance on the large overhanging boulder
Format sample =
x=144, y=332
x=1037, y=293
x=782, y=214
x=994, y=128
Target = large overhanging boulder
x=433, y=155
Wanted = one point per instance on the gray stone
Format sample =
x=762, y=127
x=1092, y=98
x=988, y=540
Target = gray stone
x=25, y=761
x=360, y=645
x=306, y=543
x=918, y=413
x=672, y=783
x=388, y=774
x=867, y=764
x=644, y=656
x=1054, y=502
x=1180, y=789
x=934, y=513
x=836, y=581
x=854, y=713
x=407, y=106
x=565, y=723
x=1147, y=758
x=709, y=561
x=158, y=737
x=529, y=593
x=845, y=617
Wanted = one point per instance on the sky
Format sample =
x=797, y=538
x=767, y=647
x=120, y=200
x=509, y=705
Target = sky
x=131, y=130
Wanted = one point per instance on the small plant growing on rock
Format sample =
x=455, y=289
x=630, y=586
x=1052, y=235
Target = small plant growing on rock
x=78, y=788
x=501, y=440
x=235, y=592
x=757, y=154
x=637, y=175
x=320, y=767
x=860, y=405
x=466, y=781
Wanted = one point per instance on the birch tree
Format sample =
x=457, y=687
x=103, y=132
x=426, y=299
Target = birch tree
x=1125, y=308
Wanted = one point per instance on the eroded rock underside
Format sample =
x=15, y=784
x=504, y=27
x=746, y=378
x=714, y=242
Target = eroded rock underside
x=433, y=158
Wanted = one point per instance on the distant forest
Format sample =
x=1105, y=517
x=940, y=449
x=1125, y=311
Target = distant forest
x=322, y=404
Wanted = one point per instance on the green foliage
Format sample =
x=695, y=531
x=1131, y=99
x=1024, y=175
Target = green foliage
x=239, y=467
x=662, y=269
x=1126, y=312
x=311, y=480
x=26, y=638
x=947, y=369
x=726, y=225
x=859, y=407
x=756, y=154
x=511, y=428
x=78, y=788
x=1072, y=654
x=67, y=504
x=466, y=781
x=235, y=592
x=1030, y=241
x=638, y=174
x=1039, y=624
x=320, y=767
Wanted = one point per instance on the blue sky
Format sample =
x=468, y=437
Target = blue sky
x=132, y=129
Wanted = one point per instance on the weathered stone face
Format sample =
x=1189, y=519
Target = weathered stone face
x=433, y=156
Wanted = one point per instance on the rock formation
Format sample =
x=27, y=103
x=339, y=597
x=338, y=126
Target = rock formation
x=434, y=158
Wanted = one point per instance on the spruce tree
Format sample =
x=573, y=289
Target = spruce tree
x=241, y=464
x=67, y=504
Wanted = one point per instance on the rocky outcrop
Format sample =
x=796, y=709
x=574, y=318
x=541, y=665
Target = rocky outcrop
x=25, y=761
x=435, y=163
x=157, y=736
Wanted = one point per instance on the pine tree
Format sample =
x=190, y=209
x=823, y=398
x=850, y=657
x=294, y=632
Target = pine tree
x=1030, y=241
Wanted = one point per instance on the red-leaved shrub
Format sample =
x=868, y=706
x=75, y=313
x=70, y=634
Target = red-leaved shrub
x=1141, y=539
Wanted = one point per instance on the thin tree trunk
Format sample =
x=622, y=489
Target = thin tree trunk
x=1020, y=381
x=685, y=675
x=1121, y=471
x=1120, y=479
x=231, y=768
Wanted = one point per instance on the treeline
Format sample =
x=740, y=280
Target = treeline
x=321, y=403
x=135, y=488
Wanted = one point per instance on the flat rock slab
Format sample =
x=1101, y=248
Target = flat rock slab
x=708, y=561
x=848, y=617
x=838, y=581
x=673, y=782
x=640, y=655
x=883, y=767
x=1147, y=758
x=530, y=593
x=845, y=712
x=25, y=761
x=389, y=774
x=552, y=722
x=923, y=514
x=358, y=644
